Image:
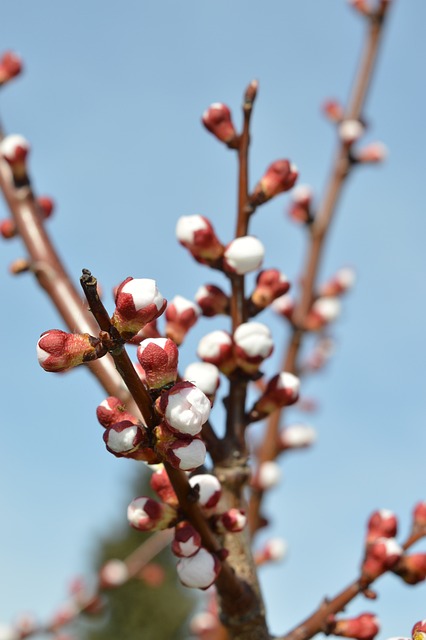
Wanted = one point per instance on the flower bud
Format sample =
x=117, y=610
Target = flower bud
x=281, y=391
x=267, y=476
x=159, y=359
x=217, y=119
x=209, y=490
x=284, y=306
x=382, y=524
x=10, y=66
x=114, y=573
x=123, y=438
x=253, y=343
x=212, y=300
x=300, y=206
x=14, y=149
x=146, y=514
x=185, y=408
x=181, y=315
x=161, y=484
x=8, y=229
x=111, y=410
x=418, y=632
x=205, y=376
x=232, y=521
x=380, y=555
x=333, y=110
x=323, y=312
x=364, y=627
x=273, y=551
x=138, y=302
x=182, y=452
x=243, y=255
x=46, y=206
x=419, y=515
x=280, y=176
x=59, y=351
x=203, y=624
x=362, y=6
x=270, y=284
x=341, y=282
x=217, y=348
x=321, y=353
x=296, y=436
x=199, y=571
x=412, y=569
x=373, y=153
x=187, y=540
x=350, y=131
x=196, y=233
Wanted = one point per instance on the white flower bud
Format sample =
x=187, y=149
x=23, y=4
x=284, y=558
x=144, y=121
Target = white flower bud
x=254, y=339
x=350, y=131
x=199, y=571
x=204, y=375
x=268, y=475
x=209, y=488
x=296, y=436
x=187, y=226
x=186, y=408
x=243, y=255
x=114, y=573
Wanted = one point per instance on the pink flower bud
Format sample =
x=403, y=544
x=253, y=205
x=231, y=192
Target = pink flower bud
x=267, y=476
x=300, y=207
x=205, y=376
x=59, y=351
x=123, y=438
x=212, y=300
x=203, y=624
x=138, y=302
x=412, y=569
x=182, y=452
x=419, y=514
x=14, y=149
x=111, y=410
x=196, y=233
x=161, y=484
x=362, y=6
x=419, y=630
x=114, y=573
x=187, y=540
x=159, y=360
x=380, y=555
x=8, y=229
x=209, y=490
x=323, y=312
x=243, y=255
x=146, y=514
x=321, y=353
x=185, y=408
x=46, y=205
x=282, y=390
x=297, y=436
x=232, y=521
x=280, y=176
x=382, y=524
x=253, y=343
x=340, y=283
x=270, y=284
x=199, y=571
x=181, y=315
x=350, y=131
x=217, y=119
x=273, y=551
x=364, y=627
x=374, y=153
x=284, y=306
x=10, y=66
x=333, y=110
x=217, y=348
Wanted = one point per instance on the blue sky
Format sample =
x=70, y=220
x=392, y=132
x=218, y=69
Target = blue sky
x=111, y=102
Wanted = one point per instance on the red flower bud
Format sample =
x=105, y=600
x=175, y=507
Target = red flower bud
x=138, y=302
x=196, y=233
x=111, y=410
x=340, y=283
x=362, y=6
x=323, y=312
x=10, y=66
x=412, y=569
x=270, y=284
x=419, y=515
x=300, y=207
x=187, y=540
x=232, y=521
x=181, y=315
x=182, y=452
x=418, y=632
x=333, y=110
x=282, y=390
x=8, y=229
x=161, y=484
x=217, y=119
x=212, y=300
x=159, y=360
x=47, y=206
x=373, y=153
x=284, y=306
x=59, y=351
x=146, y=514
x=14, y=149
x=280, y=176
x=382, y=524
x=363, y=627
x=380, y=556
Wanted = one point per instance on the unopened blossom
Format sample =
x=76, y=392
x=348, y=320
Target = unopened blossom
x=10, y=66
x=197, y=234
x=112, y=410
x=280, y=176
x=212, y=300
x=267, y=475
x=284, y=306
x=419, y=515
x=381, y=524
x=300, y=205
x=411, y=568
x=158, y=358
x=113, y=573
x=185, y=408
x=123, y=438
x=218, y=120
x=199, y=571
x=162, y=486
x=58, y=351
x=205, y=376
x=232, y=521
x=418, y=631
x=362, y=6
x=253, y=343
x=364, y=627
x=46, y=206
x=282, y=390
x=217, y=348
x=186, y=541
x=350, y=131
x=181, y=315
x=18, y=266
x=270, y=284
x=273, y=550
x=243, y=255
x=8, y=228
x=14, y=149
x=138, y=302
x=342, y=281
x=320, y=354
x=181, y=451
x=380, y=555
x=297, y=436
x=146, y=514
x=203, y=623
x=208, y=488
x=373, y=153
x=333, y=110
x=323, y=312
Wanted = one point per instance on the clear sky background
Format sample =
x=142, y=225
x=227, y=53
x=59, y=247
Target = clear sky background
x=111, y=102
